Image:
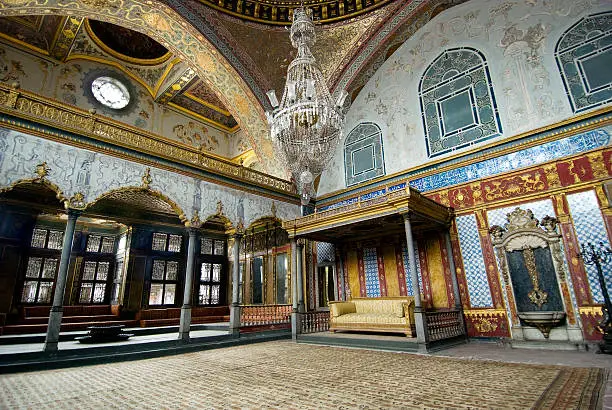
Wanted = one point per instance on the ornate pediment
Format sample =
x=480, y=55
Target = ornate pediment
x=521, y=222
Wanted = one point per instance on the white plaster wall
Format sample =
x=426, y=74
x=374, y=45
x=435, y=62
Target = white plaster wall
x=93, y=174
x=517, y=39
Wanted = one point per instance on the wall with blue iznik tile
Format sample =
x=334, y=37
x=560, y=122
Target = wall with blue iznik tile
x=517, y=40
x=407, y=271
x=370, y=266
x=473, y=262
x=589, y=225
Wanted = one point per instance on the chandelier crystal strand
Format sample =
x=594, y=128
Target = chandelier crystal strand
x=306, y=126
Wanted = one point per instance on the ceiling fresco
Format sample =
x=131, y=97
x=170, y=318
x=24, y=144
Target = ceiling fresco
x=139, y=56
x=354, y=38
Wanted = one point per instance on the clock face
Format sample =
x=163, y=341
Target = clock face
x=110, y=92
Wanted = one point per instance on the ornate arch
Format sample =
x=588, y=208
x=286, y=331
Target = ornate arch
x=157, y=194
x=38, y=181
x=172, y=31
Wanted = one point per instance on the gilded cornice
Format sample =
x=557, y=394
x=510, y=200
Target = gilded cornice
x=280, y=12
x=399, y=201
x=32, y=107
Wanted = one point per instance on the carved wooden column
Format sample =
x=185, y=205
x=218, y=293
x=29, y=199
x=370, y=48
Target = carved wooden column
x=57, y=310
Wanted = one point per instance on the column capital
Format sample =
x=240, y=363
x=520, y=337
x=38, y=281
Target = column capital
x=73, y=213
x=76, y=203
x=192, y=231
x=407, y=215
x=195, y=222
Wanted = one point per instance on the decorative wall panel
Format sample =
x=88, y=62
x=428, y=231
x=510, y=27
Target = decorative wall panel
x=473, y=261
x=370, y=263
x=589, y=226
x=76, y=170
x=407, y=273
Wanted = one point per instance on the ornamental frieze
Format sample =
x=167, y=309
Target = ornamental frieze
x=25, y=105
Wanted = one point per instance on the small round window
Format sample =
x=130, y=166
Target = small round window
x=110, y=92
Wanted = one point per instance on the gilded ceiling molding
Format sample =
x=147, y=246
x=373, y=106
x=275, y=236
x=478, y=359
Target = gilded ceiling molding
x=280, y=12
x=162, y=23
x=65, y=37
x=102, y=130
x=176, y=87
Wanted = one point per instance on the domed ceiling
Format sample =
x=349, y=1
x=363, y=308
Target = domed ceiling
x=280, y=11
x=354, y=38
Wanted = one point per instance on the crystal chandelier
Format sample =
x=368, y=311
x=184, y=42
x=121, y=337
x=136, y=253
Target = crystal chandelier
x=307, y=125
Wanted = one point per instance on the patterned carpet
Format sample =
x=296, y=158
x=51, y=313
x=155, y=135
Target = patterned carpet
x=286, y=375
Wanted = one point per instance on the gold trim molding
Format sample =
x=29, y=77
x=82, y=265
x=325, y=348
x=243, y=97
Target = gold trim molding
x=32, y=107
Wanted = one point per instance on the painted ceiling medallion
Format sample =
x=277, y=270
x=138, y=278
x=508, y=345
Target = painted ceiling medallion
x=280, y=11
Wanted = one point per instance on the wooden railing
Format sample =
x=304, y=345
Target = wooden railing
x=444, y=325
x=256, y=315
x=312, y=322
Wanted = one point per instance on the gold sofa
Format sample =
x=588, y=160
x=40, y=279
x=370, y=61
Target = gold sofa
x=384, y=314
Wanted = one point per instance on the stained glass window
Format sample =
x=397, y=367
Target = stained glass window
x=219, y=247
x=40, y=277
x=206, y=246
x=584, y=57
x=93, y=243
x=159, y=241
x=174, y=244
x=210, y=283
x=458, y=106
x=363, y=154
x=93, y=281
x=55, y=240
x=164, y=278
x=39, y=237
x=108, y=244
x=110, y=92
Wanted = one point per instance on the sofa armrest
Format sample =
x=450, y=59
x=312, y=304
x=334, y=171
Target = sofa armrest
x=409, y=312
x=340, y=308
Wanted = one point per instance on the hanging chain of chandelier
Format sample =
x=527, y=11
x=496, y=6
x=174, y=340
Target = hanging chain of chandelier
x=307, y=125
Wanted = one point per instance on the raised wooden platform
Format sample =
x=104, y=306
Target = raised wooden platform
x=79, y=317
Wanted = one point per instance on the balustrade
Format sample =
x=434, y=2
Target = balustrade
x=312, y=322
x=444, y=325
x=256, y=315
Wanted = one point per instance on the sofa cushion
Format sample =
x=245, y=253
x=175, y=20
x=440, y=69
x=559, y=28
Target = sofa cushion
x=369, y=318
x=380, y=306
x=342, y=308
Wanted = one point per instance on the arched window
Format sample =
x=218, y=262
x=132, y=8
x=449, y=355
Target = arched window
x=457, y=101
x=584, y=57
x=363, y=154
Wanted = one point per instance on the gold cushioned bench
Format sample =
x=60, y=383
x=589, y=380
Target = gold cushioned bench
x=384, y=314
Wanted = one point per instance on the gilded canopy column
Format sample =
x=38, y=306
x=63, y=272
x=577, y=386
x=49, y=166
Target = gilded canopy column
x=75, y=207
x=419, y=313
x=300, y=275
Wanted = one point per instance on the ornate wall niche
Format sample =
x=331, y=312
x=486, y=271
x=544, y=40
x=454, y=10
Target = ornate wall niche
x=531, y=262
